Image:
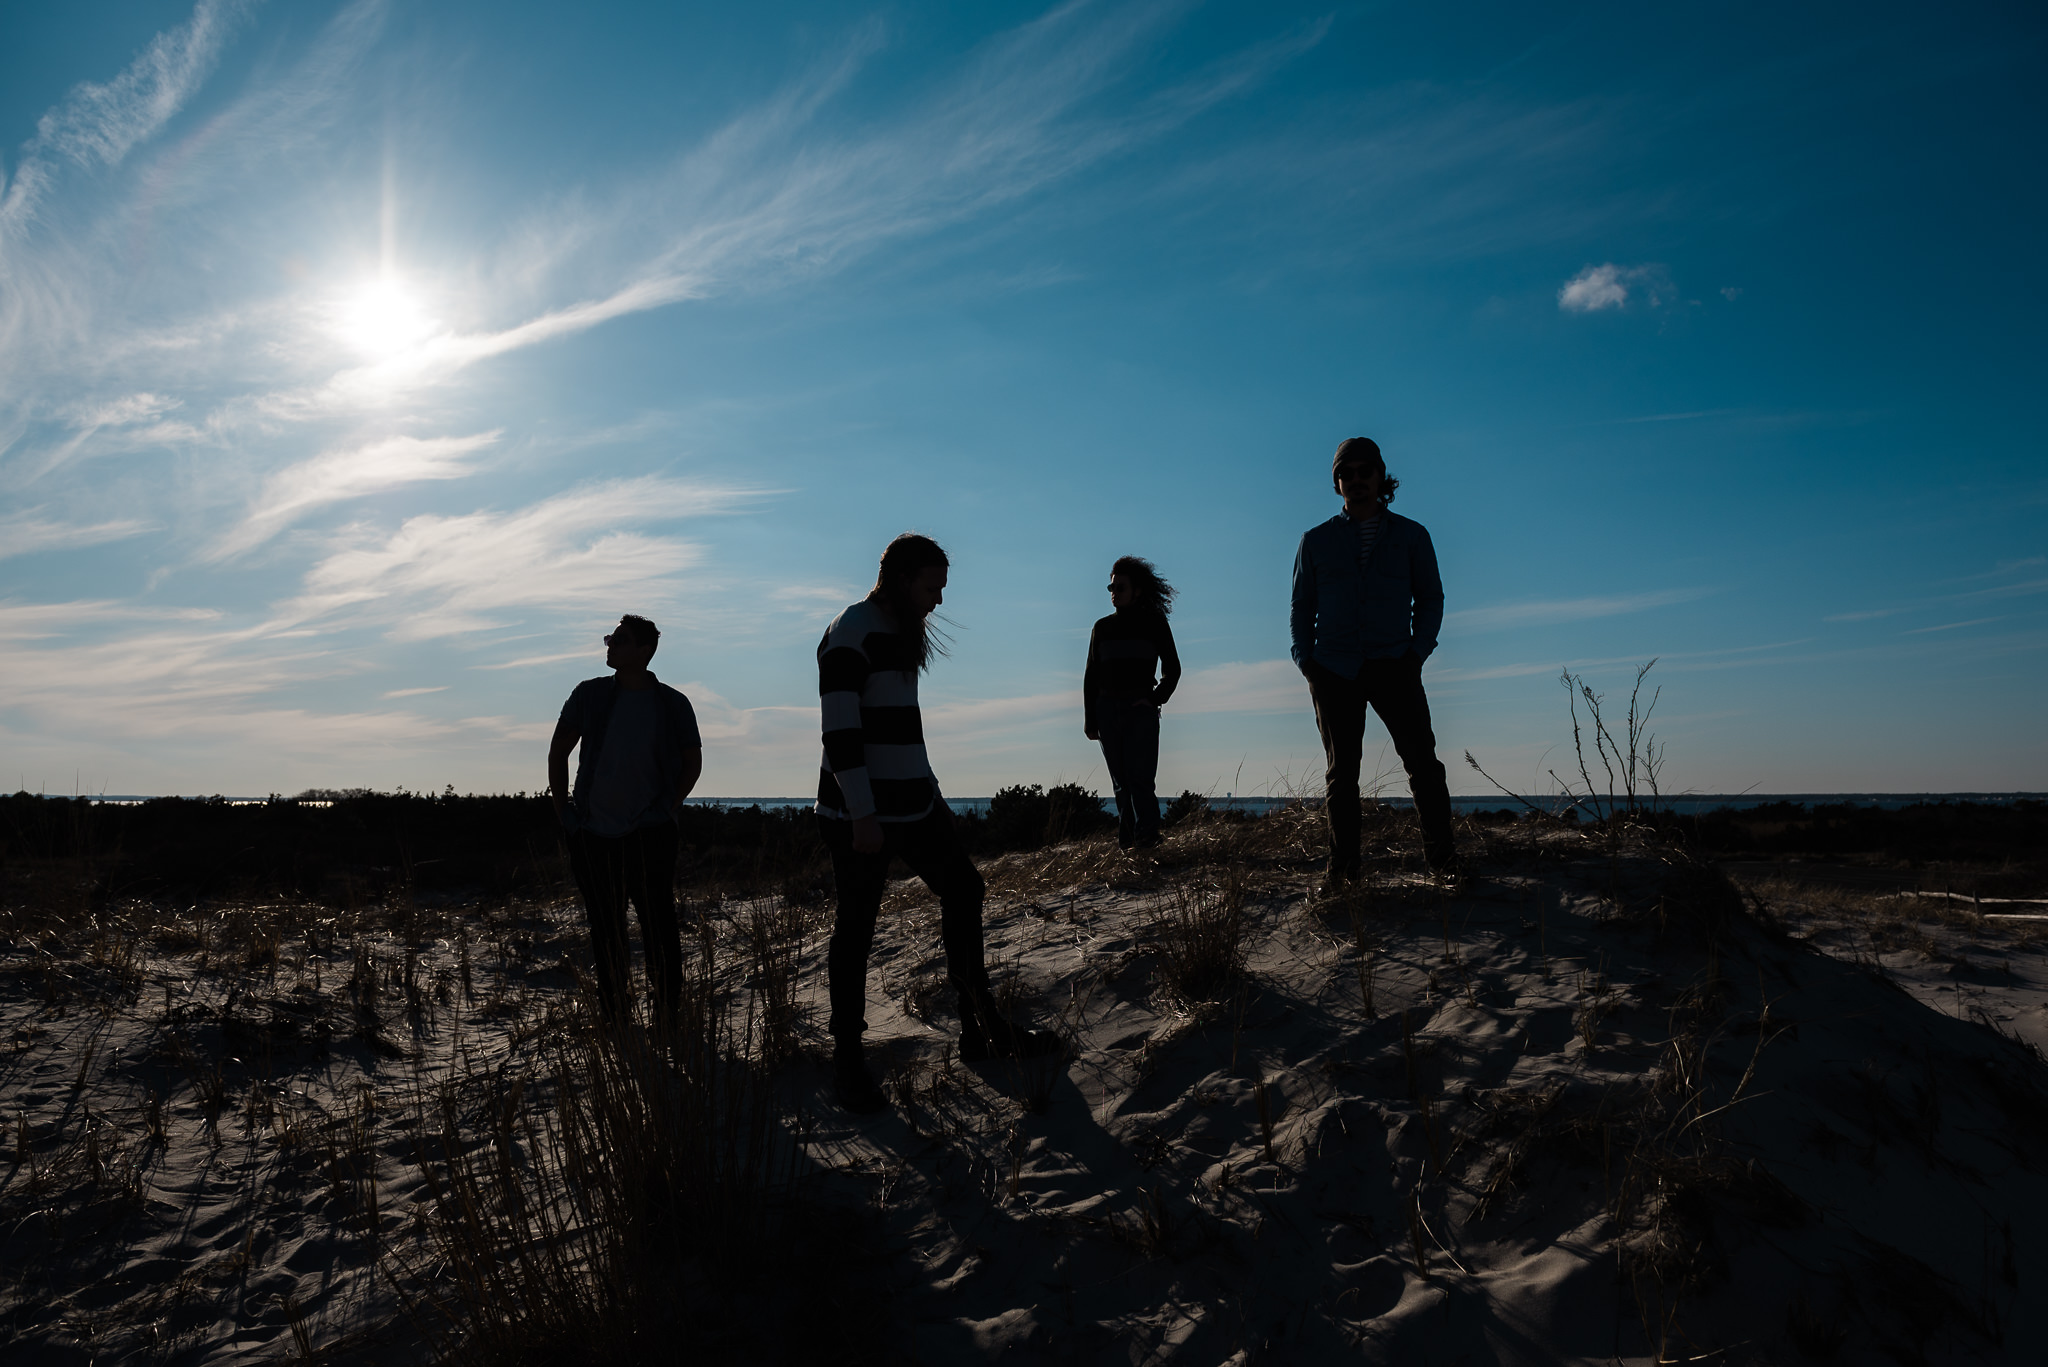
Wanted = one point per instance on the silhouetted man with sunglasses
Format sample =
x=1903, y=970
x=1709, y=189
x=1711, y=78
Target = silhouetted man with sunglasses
x=1368, y=603
x=641, y=756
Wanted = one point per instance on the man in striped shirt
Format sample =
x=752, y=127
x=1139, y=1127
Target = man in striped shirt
x=878, y=800
x=1367, y=605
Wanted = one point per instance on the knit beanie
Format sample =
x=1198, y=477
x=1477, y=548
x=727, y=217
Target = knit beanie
x=1355, y=449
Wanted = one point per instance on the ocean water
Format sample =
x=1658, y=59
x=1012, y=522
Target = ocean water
x=1685, y=804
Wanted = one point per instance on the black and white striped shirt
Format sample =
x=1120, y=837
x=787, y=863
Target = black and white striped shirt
x=875, y=764
x=1368, y=536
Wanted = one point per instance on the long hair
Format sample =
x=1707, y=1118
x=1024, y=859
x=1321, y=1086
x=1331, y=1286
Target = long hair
x=901, y=561
x=1151, y=590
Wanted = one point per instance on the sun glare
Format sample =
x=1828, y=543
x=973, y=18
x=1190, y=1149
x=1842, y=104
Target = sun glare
x=382, y=319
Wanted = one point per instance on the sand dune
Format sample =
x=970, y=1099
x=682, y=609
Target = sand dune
x=1591, y=1105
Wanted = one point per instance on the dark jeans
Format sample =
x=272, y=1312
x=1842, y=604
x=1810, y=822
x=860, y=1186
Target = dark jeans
x=933, y=853
x=640, y=865
x=1393, y=688
x=1130, y=747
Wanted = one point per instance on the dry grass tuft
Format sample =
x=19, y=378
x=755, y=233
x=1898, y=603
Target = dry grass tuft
x=1198, y=930
x=776, y=930
x=570, y=1214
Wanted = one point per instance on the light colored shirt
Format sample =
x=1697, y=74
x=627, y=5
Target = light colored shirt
x=626, y=780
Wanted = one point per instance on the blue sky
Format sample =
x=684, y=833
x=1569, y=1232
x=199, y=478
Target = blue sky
x=360, y=363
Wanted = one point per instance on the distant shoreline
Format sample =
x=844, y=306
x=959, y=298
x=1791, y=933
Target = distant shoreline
x=1687, y=804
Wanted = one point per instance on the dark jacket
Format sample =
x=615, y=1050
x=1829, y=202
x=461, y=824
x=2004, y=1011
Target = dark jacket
x=589, y=709
x=1341, y=617
x=1122, y=650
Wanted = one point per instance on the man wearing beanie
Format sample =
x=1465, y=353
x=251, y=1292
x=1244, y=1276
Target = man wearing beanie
x=1367, y=606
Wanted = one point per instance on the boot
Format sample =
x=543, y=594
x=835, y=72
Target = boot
x=852, y=1084
x=985, y=1033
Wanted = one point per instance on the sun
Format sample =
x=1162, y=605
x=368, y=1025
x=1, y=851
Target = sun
x=382, y=318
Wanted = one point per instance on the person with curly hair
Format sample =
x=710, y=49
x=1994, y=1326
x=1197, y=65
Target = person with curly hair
x=1367, y=605
x=1120, y=698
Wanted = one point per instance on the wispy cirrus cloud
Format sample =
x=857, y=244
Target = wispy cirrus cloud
x=126, y=410
x=778, y=194
x=97, y=124
x=788, y=190
x=357, y=472
x=1669, y=417
x=177, y=663
x=2002, y=569
x=439, y=576
x=2016, y=588
x=27, y=534
x=1733, y=657
x=1952, y=626
x=535, y=661
x=186, y=674
x=129, y=420
x=1242, y=686
x=31, y=621
x=2026, y=588
x=1503, y=616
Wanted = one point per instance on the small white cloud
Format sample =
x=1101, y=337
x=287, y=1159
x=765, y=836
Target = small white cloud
x=1731, y=292
x=1596, y=287
x=1607, y=286
x=415, y=692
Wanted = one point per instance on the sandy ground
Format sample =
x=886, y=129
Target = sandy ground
x=1589, y=1106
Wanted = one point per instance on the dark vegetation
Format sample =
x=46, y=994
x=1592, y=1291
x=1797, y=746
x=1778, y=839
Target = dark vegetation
x=357, y=847
x=1993, y=849
x=1922, y=834
x=382, y=848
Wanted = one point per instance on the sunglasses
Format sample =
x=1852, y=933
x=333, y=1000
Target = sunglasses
x=1356, y=471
